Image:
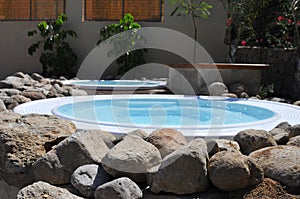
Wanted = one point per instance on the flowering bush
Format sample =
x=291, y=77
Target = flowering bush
x=266, y=23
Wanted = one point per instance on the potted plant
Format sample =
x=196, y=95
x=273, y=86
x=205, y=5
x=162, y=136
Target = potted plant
x=131, y=58
x=57, y=57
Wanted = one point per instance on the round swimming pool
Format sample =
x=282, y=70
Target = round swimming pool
x=116, y=84
x=194, y=116
x=190, y=113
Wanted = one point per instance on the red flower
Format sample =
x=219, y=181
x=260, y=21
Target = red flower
x=243, y=43
x=289, y=21
x=280, y=18
x=229, y=21
x=298, y=22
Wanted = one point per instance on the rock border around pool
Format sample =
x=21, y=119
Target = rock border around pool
x=44, y=155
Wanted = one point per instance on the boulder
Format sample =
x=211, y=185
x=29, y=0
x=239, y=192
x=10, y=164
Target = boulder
x=9, y=92
x=280, y=135
x=43, y=190
x=24, y=139
x=8, y=191
x=77, y=92
x=251, y=140
x=122, y=188
x=284, y=126
x=7, y=118
x=231, y=95
x=137, y=132
x=294, y=141
x=166, y=140
x=34, y=95
x=280, y=163
x=297, y=103
x=107, y=137
x=37, y=77
x=244, y=95
x=88, y=177
x=182, y=172
x=230, y=171
x=57, y=166
x=294, y=131
x=20, y=99
x=217, y=145
x=132, y=157
x=217, y=89
x=2, y=106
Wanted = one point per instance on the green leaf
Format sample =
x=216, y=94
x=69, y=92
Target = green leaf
x=43, y=26
x=31, y=33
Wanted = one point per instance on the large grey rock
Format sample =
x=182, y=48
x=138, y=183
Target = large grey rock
x=17, y=82
x=251, y=140
x=217, y=145
x=295, y=131
x=294, y=141
x=8, y=191
x=7, y=118
x=77, y=92
x=33, y=95
x=230, y=171
x=9, y=92
x=122, y=188
x=24, y=139
x=132, y=157
x=280, y=135
x=43, y=190
x=217, y=89
x=57, y=166
x=37, y=77
x=284, y=126
x=280, y=163
x=107, y=137
x=20, y=99
x=2, y=106
x=166, y=140
x=88, y=177
x=182, y=172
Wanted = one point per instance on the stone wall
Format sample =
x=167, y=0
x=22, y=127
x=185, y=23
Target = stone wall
x=284, y=72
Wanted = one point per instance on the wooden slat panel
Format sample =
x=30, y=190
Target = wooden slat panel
x=40, y=9
x=143, y=9
x=103, y=9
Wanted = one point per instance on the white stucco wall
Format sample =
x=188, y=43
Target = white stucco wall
x=14, y=41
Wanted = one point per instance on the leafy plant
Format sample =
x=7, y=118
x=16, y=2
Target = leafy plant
x=266, y=90
x=195, y=9
x=131, y=58
x=266, y=23
x=57, y=57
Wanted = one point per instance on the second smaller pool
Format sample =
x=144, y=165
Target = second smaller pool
x=116, y=84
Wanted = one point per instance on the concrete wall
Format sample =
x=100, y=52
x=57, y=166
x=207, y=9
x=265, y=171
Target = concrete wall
x=14, y=41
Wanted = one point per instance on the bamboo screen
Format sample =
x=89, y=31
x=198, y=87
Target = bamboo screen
x=30, y=9
x=142, y=10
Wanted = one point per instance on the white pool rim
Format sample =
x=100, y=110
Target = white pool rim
x=283, y=113
x=119, y=86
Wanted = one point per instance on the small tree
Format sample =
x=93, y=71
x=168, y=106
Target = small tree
x=194, y=8
x=57, y=57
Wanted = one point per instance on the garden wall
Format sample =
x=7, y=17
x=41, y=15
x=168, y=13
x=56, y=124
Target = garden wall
x=14, y=41
x=284, y=72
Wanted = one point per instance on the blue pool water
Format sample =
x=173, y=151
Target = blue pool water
x=115, y=83
x=161, y=112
